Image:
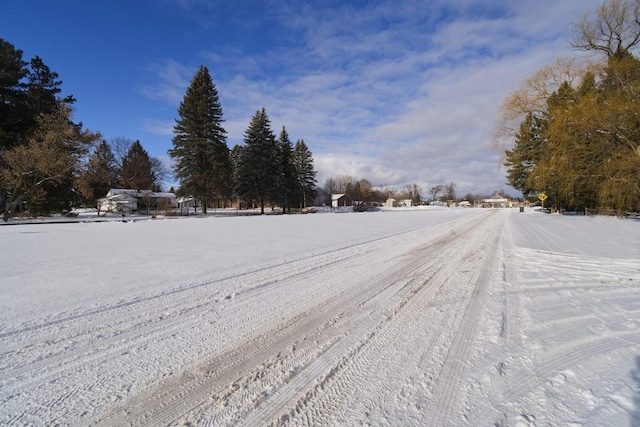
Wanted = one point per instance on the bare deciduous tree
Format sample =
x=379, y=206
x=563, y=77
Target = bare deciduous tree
x=531, y=98
x=614, y=30
x=339, y=184
x=435, y=190
x=412, y=191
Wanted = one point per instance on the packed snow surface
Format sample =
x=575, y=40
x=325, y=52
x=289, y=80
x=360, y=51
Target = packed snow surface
x=409, y=317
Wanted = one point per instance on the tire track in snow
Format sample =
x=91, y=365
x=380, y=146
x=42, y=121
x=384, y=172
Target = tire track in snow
x=286, y=266
x=133, y=332
x=355, y=367
x=451, y=374
x=526, y=380
x=195, y=395
x=135, y=324
x=572, y=322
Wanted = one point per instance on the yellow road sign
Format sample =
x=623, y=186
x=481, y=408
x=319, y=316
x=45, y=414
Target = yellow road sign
x=542, y=197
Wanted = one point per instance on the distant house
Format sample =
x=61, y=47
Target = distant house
x=464, y=204
x=122, y=200
x=186, y=203
x=390, y=203
x=339, y=200
x=406, y=203
x=496, y=201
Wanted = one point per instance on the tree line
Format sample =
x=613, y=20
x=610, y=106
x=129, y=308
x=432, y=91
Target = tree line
x=363, y=194
x=573, y=129
x=265, y=170
x=47, y=160
x=52, y=164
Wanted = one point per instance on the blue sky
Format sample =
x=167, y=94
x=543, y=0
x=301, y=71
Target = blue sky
x=397, y=92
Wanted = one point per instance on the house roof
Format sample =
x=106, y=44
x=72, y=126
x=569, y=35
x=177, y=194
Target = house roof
x=135, y=193
x=339, y=196
x=185, y=199
x=496, y=198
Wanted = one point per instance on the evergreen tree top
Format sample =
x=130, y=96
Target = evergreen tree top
x=200, y=111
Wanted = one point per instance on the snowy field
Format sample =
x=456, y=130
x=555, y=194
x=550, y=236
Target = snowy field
x=461, y=317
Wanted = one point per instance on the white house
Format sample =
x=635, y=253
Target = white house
x=496, y=201
x=128, y=201
x=338, y=200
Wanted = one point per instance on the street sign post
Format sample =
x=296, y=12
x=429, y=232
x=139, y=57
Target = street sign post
x=542, y=197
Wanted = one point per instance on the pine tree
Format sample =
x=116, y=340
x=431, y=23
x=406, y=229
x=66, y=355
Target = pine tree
x=289, y=180
x=305, y=174
x=14, y=106
x=525, y=154
x=202, y=161
x=258, y=171
x=137, y=170
x=43, y=87
x=27, y=90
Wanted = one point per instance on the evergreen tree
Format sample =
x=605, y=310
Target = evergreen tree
x=202, y=161
x=137, y=170
x=525, y=154
x=236, y=155
x=99, y=175
x=258, y=172
x=27, y=90
x=305, y=174
x=43, y=87
x=289, y=180
x=14, y=106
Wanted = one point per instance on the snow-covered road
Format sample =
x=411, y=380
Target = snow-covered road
x=443, y=317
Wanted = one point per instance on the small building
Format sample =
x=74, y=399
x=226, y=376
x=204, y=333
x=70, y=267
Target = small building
x=406, y=203
x=496, y=201
x=339, y=200
x=117, y=202
x=186, y=203
x=390, y=203
x=123, y=200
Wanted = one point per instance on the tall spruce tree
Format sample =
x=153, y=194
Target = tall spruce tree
x=305, y=173
x=202, y=161
x=27, y=90
x=43, y=87
x=137, y=169
x=258, y=171
x=289, y=179
x=14, y=105
x=525, y=154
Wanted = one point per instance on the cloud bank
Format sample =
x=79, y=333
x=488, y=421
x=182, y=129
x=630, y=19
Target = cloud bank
x=394, y=92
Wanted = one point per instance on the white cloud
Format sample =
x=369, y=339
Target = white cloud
x=395, y=92
x=157, y=127
x=170, y=80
